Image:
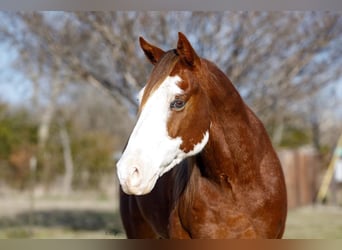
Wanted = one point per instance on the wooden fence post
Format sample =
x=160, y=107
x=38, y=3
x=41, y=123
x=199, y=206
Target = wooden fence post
x=301, y=172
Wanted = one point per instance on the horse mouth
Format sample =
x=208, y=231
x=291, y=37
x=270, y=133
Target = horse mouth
x=141, y=189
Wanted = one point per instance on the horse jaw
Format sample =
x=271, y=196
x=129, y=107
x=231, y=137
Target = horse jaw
x=150, y=151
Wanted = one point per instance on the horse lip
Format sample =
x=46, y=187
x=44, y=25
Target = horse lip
x=140, y=189
x=136, y=191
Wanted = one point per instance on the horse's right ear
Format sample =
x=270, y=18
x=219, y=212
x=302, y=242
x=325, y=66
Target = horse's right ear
x=152, y=52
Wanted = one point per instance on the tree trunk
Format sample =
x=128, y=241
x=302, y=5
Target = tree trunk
x=68, y=161
x=44, y=130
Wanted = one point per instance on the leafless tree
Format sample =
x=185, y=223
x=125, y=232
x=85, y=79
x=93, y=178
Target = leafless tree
x=278, y=60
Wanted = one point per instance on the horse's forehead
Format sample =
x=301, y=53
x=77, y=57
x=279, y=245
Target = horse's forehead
x=161, y=72
x=169, y=66
x=177, y=70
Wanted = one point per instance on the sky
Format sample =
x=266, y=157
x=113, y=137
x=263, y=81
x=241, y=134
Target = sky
x=14, y=88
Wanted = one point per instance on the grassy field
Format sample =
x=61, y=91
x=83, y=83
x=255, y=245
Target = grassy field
x=314, y=222
x=97, y=218
x=88, y=216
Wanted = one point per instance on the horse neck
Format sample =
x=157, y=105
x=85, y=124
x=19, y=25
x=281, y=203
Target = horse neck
x=232, y=149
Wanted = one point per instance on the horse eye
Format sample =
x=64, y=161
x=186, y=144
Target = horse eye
x=177, y=105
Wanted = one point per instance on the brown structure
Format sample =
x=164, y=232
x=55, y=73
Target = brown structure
x=301, y=170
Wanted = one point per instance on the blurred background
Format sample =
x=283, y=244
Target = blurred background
x=68, y=85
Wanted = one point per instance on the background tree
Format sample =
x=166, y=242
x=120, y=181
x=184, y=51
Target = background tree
x=86, y=68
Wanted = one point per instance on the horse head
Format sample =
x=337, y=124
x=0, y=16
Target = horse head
x=173, y=119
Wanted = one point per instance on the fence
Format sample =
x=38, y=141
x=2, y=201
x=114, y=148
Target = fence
x=301, y=169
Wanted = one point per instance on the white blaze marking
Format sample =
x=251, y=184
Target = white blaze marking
x=140, y=95
x=150, y=151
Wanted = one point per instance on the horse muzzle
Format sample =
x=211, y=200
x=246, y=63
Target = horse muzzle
x=133, y=181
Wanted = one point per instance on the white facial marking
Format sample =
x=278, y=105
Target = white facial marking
x=150, y=151
x=140, y=95
x=199, y=146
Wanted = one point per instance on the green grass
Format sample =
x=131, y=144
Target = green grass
x=314, y=222
x=58, y=219
x=62, y=223
x=56, y=233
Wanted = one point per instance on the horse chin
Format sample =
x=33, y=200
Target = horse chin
x=136, y=190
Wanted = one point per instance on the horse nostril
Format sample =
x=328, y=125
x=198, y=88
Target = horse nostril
x=134, y=178
x=135, y=172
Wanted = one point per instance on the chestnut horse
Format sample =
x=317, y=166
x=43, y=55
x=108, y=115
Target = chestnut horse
x=199, y=163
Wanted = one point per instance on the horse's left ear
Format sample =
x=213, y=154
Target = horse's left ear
x=152, y=52
x=186, y=52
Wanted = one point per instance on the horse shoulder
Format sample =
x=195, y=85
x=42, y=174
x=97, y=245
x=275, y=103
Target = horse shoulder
x=208, y=210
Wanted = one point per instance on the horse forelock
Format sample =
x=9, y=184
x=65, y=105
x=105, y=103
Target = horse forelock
x=161, y=70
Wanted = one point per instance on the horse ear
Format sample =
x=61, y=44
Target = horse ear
x=186, y=52
x=152, y=52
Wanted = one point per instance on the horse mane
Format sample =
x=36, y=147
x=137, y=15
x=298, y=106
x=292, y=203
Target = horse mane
x=220, y=88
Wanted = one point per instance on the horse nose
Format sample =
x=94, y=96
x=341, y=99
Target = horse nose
x=134, y=177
